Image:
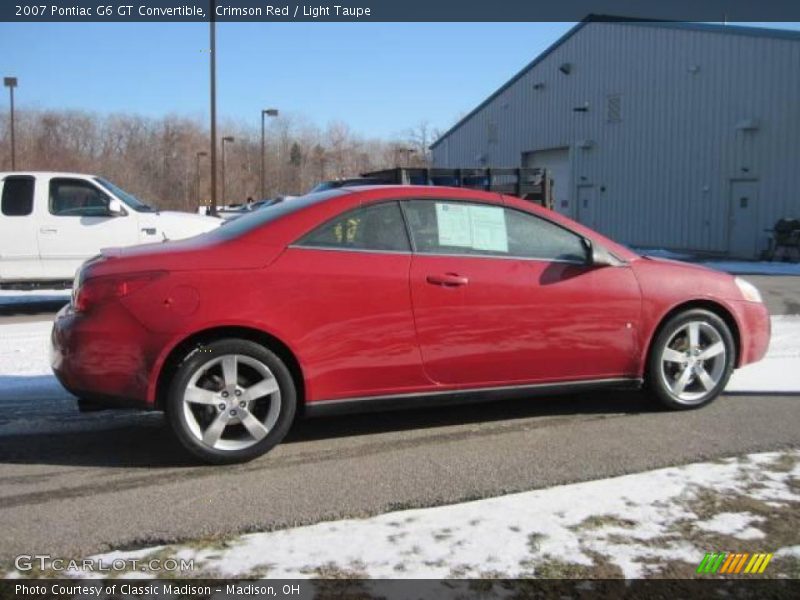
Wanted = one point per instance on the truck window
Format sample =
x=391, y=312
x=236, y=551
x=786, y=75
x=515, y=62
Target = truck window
x=77, y=198
x=17, y=196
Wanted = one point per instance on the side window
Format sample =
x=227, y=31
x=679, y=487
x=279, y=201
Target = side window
x=532, y=237
x=376, y=227
x=77, y=198
x=442, y=227
x=17, y=198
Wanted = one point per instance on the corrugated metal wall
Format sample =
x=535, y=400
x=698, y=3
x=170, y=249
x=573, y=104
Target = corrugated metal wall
x=661, y=174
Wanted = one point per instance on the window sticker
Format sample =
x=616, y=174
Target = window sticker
x=454, y=225
x=472, y=226
x=488, y=228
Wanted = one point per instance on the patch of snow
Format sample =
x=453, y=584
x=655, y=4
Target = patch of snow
x=31, y=398
x=514, y=535
x=735, y=524
x=793, y=551
x=24, y=349
x=778, y=371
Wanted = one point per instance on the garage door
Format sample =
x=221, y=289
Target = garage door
x=557, y=160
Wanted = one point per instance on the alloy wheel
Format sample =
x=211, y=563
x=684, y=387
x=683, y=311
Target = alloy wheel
x=693, y=361
x=231, y=402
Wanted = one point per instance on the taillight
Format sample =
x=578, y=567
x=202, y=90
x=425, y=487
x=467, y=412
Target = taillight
x=94, y=291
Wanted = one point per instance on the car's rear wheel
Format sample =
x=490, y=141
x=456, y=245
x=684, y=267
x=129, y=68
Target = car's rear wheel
x=231, y=401
x=691, y=359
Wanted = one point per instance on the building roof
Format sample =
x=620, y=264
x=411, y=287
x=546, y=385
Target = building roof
x=703, y=27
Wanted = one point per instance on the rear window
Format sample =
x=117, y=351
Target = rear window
x=253, y=220
x=376, y=227
x=17, y=198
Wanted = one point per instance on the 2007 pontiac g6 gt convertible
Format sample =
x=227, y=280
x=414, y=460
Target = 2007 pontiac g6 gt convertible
x=386, y=297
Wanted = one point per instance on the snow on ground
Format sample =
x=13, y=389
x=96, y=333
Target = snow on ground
x=735, y=524
x=632, y=526
x=24, y=358
x=31, y=398
x=780, y=369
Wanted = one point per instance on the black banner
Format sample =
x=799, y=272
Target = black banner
x=394, y=10
x=410, y=589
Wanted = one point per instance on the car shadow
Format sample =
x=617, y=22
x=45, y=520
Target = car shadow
x=137, y=439
x=765, y=394
x=605, y=403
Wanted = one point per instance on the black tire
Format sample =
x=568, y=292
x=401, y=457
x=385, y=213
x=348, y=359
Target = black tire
x=195, y=363
x=657, y=377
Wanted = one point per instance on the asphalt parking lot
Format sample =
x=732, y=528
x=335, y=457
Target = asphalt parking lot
x=73, y=484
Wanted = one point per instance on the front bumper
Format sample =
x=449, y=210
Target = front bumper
x=755, y=329
x=102, y=358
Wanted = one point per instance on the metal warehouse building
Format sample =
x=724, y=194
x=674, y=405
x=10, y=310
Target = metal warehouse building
x=661, y=135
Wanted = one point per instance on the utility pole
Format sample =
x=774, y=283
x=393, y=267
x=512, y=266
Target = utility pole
x=227, y=138
x=197, y=181
x=267, y=112
x=213, y=50
x=11, y=83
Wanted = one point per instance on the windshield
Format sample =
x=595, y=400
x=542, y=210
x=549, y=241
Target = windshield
x=127, y=198
x=255, y=219
x=337, y=183
x=321, y=187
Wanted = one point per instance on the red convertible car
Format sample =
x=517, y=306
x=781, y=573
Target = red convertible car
x=384, y=297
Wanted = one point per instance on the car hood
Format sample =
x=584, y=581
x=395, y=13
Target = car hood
x=680, y=263
x=659, y=276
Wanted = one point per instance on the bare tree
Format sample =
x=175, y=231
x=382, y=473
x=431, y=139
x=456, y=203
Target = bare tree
x=156, y=158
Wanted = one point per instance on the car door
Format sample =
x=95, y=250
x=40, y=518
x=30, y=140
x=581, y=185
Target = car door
x=502, y=296
x=77, y=224
x=341, y=292
x=19, y=248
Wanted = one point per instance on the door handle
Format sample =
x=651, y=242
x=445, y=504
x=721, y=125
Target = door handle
x=447, y=280
x=47, y=230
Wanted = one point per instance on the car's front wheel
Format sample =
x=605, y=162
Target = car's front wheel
x=691, y=359
x=231, y=401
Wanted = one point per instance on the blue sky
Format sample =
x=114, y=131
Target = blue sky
x=380, y=78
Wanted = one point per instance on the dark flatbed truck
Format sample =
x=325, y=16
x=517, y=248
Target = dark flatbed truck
x=532, y=184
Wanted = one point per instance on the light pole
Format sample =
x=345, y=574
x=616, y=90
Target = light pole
x=11, y=83
x=197, y=180
x=267, y=112
x=212, y=24
x=227, y=138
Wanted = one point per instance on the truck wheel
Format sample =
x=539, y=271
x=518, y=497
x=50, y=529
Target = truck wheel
x=691, y=360
x=231, y=401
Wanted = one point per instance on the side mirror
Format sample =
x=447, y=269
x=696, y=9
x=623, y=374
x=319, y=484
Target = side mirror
x=115, y=208
x=599, y=256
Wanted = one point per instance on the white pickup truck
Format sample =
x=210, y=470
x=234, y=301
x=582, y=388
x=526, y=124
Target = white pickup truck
x=51, y=222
